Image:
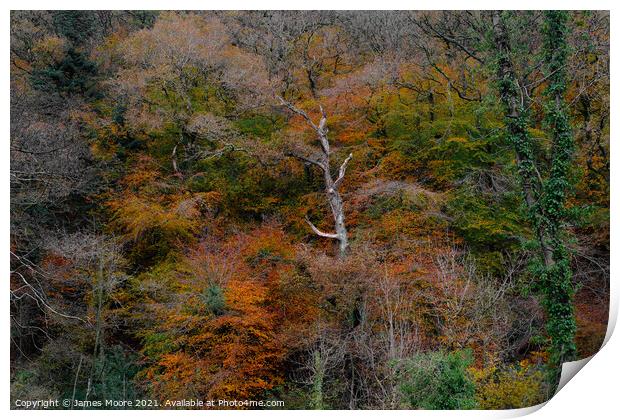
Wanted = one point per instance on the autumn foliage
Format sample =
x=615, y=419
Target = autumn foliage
x=172, y=216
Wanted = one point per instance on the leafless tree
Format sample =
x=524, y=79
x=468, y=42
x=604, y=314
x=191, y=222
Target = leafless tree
x=324, y=357
x=385, y=338
x=99, y=259
x=322, y=161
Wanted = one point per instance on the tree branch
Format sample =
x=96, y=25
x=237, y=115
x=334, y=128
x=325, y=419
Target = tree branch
x=320, y=233
x=306, y=159
x=300, y=112
x=40, y=299
x=321, y=129
x=342, y=171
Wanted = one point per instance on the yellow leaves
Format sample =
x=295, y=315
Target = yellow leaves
x=136, y=216
x=145, y=173
x=148, y=203
x=518, y=387
x=396, y=166
x=458, y=140
x=48, y=50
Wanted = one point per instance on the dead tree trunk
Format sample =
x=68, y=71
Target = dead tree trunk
x=331, y=186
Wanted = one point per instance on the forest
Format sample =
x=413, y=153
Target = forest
x=333, y=209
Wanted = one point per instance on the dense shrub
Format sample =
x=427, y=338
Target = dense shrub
x=438, y=381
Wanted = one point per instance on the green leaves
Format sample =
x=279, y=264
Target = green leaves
x=438, y=381
x=558, y=288
x=73, y=74
x=213, y=298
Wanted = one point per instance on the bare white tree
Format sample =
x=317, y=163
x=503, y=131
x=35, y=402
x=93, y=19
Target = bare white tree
x=331, y=186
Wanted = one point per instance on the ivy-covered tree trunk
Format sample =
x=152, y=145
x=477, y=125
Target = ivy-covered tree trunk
x=517, y=123
x=557, y=287
x=545, y=200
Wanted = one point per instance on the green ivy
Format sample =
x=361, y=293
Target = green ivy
x=546, y=198
x=557, y=287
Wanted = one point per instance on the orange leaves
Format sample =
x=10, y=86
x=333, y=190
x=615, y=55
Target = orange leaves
x=178, y=373
x=591, y=317
x=137, y=216
x=267, y=243
x=145, y=173
x=237, y=351
x=148, y=202
x=156, y=215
